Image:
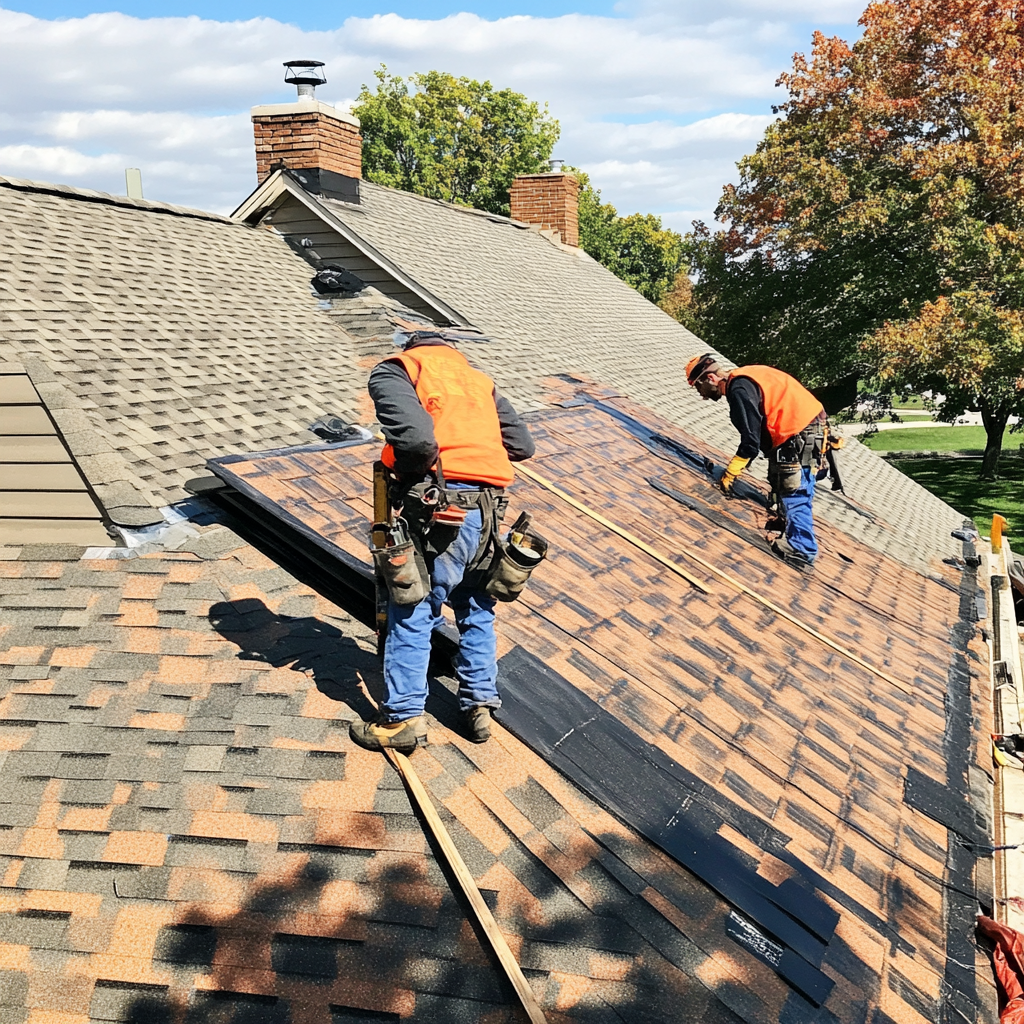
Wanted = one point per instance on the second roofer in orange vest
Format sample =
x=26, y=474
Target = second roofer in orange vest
x=451, y=441
x=777, y=415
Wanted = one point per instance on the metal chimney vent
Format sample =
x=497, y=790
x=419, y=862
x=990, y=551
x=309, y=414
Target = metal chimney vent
x=305, y=75
x=555, y=165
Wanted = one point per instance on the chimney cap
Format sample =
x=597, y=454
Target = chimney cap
x=555, y=166
x=304, y=72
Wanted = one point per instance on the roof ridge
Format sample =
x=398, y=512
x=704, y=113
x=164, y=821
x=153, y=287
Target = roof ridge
x=88, y=195
x=472, y=210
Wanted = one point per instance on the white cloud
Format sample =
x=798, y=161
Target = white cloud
x=164, y=130
x=826, y=13
x=56, y=162
x=657, y=104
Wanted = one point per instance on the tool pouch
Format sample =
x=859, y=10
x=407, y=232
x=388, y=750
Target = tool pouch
x=402, y=567
x=515, y=558
x=788, y=477
x=785, y=469
x=800, y=452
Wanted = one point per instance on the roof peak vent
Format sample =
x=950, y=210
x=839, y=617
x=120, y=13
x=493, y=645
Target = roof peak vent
x=305, y=75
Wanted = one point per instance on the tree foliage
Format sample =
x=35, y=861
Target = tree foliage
x=465, y=141
x=636, y=248
x=883, y=208
x=452, y=138
x=969, y=347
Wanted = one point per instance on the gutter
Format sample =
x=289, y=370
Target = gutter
x=1007, y=673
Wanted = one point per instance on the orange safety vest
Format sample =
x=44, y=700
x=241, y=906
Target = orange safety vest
x=460, y=401
x=788, y=405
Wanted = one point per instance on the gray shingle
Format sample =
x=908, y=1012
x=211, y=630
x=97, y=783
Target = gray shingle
x=175, y=304
x=553, y=310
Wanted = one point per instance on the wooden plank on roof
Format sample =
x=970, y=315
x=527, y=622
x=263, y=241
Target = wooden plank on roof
x=47, y=504
x=21, y=449
x=24, y=419
x=16, y=389
x=35, y=477
x=53, y=531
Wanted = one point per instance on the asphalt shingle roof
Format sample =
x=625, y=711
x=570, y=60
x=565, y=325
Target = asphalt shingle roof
x=188, y=832
x=157, y=336
x=805, y=761
x=551, y=310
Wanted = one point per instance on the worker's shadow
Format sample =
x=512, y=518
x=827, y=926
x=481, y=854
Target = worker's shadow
x=333, y=660
x=304, y=644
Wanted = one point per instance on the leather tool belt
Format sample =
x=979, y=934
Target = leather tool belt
x=434, y=514
x=803, y=450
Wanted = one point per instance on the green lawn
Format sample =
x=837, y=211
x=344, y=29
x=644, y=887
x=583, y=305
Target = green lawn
x=938, y=439
x=956, y=482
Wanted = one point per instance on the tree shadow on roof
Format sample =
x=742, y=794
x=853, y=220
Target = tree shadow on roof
x=260, y=965
x=400, y=948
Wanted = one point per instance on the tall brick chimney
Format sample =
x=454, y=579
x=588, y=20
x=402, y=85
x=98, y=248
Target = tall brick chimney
x=307, y=136
x=551, y=201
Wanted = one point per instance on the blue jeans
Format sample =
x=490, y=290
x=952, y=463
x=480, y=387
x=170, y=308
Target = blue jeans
x=800, y=516
x=407, y=646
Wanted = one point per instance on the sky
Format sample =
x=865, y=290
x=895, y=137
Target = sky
x=657, y=99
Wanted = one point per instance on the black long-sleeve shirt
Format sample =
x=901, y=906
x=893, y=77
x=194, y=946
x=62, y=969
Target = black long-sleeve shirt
x=409, y=430
x=746, y=410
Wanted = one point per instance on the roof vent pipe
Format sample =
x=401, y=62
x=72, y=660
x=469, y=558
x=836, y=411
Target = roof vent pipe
x=133, y=182
x=305, y=75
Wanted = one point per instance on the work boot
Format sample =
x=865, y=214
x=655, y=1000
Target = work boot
x=789, y=554
x=377, y=734
x=476, y=724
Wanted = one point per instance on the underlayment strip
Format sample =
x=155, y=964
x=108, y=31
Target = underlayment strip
x=959, y=1001
x=641, y=785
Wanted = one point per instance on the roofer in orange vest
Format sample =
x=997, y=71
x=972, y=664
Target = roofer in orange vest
x=777, y=415
x=451, y=440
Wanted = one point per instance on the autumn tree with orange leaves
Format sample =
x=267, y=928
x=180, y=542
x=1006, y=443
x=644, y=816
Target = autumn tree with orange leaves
x=879, y=226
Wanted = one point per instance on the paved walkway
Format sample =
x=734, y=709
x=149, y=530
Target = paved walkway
x=969, y=419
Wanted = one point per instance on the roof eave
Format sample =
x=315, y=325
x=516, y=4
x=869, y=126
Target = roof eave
x=279, y=183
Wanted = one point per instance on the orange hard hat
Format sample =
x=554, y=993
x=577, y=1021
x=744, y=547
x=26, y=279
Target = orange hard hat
x=699, y=365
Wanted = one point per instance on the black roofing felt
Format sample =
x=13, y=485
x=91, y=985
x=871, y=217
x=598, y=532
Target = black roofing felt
x=670, y=806
x=960, y=897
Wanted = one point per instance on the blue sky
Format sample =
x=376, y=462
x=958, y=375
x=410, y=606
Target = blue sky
x=657, y=99
x=314, y=15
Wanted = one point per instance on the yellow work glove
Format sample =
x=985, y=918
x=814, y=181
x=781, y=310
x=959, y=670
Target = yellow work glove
x=732, y=471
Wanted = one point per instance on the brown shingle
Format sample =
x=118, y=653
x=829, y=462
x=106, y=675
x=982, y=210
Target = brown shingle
x=774, y=721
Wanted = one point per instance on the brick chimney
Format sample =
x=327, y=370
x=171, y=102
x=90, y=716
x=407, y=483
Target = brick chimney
x=307, y=136
x=550, y=201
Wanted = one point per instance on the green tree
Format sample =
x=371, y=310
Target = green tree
x=970, y=348
x=465, y=141
x=892, y=181
x=637, y=248
x=452, y=138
